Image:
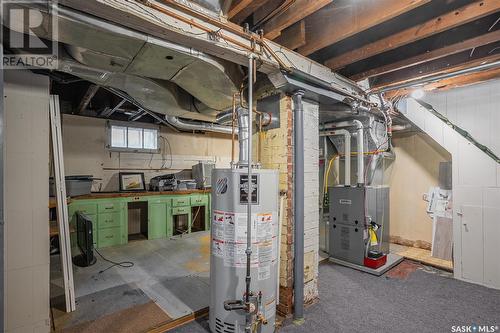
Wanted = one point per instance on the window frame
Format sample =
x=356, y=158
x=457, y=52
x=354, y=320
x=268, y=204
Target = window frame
x=142, y=126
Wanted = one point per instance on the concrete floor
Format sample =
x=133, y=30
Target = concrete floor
x=174, y=273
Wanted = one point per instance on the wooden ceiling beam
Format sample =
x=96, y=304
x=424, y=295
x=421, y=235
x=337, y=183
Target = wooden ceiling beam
x=445, y=70
x=294, y=36
x=431, y=55
x=450, y=83
x=248, y=10
x=336, y=22
x=261, y=13
x=296, y=12
x=237, y=6
x=463, y=15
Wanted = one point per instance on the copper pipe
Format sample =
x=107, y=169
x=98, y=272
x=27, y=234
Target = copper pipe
x=200, y=26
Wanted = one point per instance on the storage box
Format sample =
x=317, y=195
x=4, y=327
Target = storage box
x=75, y=186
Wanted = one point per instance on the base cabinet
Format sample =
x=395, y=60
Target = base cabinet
x=109, y=216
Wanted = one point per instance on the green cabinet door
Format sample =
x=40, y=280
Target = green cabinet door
x=157, y=220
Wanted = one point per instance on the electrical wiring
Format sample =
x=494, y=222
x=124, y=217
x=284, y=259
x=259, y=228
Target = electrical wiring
x=123, y=264
x=165, y=141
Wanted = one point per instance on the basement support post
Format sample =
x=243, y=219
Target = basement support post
x=298, y=267
x=2, y=220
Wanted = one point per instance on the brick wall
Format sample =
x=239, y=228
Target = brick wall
x=275, y=151
x=311, y=200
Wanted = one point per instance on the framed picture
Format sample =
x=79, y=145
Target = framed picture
x=132, y=181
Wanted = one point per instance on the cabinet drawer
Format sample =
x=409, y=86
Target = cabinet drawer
x=160, y=199
x=109, y=237
x=181, y=210
x=106, y=220
x=180, y=201
x=109, y=207
x=199, y=200
x=87, y=209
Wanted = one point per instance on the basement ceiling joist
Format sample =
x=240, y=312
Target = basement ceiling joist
x=294, y=36
x=449, y=83
x=298, y=10
x=241, y=9
x=481, y=55
x=467, y=44
x=444, y=22
x=343, y=19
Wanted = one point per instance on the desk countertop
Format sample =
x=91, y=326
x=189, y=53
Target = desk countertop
x=103, y=195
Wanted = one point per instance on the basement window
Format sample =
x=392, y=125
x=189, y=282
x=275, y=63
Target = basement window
x=133, y=138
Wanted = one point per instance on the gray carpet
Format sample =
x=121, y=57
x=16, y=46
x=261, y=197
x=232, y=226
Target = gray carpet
x=426, y=301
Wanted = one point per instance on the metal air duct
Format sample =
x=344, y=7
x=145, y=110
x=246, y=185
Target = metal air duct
x=198, y=126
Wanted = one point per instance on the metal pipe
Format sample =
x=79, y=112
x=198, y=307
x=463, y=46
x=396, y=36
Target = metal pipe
x=361, y=152
x=224, y=117
x=359, y=140
x=298, y=267
x=243, y=137
x=248, y=279
x=347, y=154
x=233, y=120
x=197, y=125
x=437, y=77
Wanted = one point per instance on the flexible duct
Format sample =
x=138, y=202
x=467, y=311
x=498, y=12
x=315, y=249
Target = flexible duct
x=198, y=125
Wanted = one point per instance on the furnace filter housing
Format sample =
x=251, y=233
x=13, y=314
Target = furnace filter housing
x=228, y=245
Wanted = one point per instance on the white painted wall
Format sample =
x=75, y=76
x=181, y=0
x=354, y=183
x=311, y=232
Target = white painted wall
x=413, y=172
x=311, y=199
x=476, y=177
x=84, y=141
x=26, y=172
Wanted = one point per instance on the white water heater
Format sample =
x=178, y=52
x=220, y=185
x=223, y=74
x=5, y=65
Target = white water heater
x=230, y=191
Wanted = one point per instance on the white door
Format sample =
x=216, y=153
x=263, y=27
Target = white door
x=491, y=223
x=472, y=242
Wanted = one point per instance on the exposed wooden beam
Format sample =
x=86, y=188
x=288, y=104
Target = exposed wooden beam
x=263, y=11
x=226, y=5
x=445, y=70
x=237, y=6
x=248, y=10
x=450, y=83
x=431, y=55
x=296, y=12
x=338, y=21
x=444, y=22
x=294, y=36
x=89, y=94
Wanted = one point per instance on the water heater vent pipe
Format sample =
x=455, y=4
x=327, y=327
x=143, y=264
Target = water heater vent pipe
x=243, y=138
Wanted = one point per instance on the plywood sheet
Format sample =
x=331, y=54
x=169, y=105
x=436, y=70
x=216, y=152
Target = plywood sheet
x=442, y=243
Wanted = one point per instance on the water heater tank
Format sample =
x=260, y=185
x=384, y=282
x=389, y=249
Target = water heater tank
x=229, y=242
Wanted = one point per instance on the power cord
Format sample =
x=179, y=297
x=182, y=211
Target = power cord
x=124, y=264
